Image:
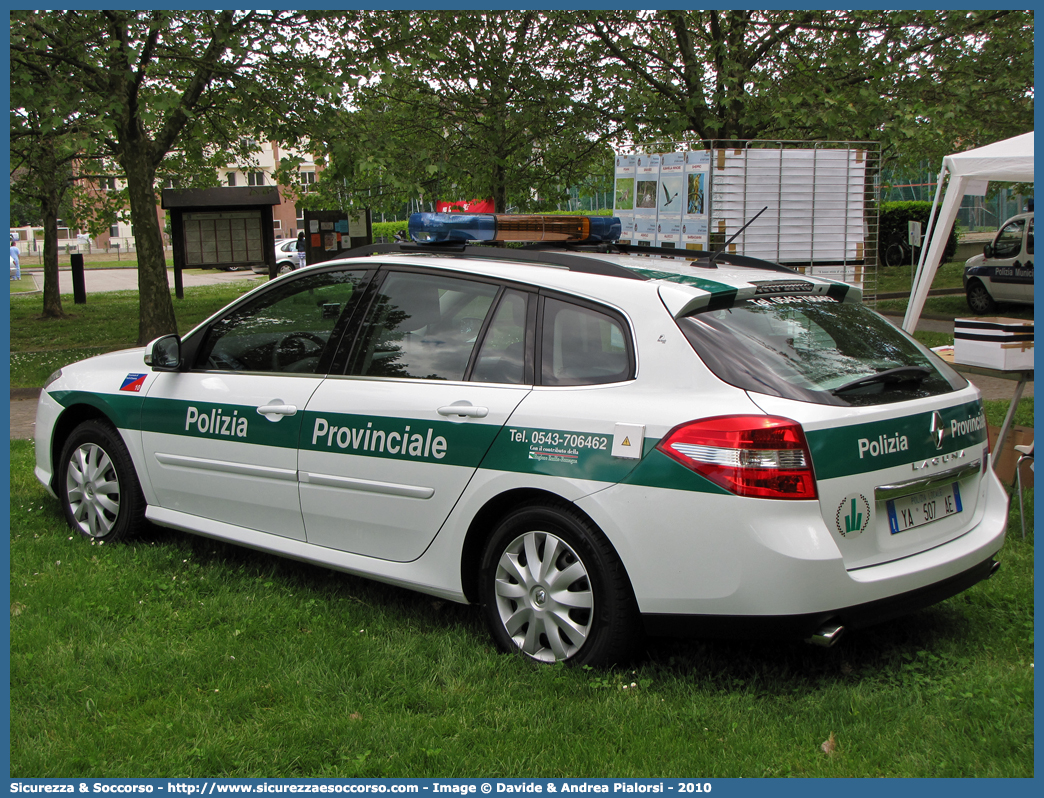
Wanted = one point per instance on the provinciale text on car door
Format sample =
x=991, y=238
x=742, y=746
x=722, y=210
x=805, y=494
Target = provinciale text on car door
x=438, y=367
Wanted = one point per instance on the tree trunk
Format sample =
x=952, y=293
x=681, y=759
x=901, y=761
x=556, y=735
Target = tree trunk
x=500, y=197
x=52, y=298
x=155, y=307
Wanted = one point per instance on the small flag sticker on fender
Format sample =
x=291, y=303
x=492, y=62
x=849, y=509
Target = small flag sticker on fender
x=133, y=382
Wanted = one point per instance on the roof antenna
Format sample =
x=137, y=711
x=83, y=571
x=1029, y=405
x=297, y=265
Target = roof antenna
x=710, y=261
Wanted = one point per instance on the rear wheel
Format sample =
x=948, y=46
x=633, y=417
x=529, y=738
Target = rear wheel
x=979, y=299
x=97, y=485
x=553, y=588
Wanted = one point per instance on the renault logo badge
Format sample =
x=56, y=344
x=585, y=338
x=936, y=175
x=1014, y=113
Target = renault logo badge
x=938, y=430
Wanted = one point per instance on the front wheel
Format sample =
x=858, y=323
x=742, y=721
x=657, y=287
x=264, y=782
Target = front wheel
x=553, y=588
x=979, y=299
x=97, y=485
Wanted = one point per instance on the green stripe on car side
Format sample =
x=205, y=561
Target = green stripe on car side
x=657, y=470
x=859, y=448
x=436, y=442
x=218, y=422
x=557, y=453
x=836, y=452
x=124, y=410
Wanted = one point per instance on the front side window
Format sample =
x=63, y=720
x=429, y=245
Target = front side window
x=816, y=349
x=422, y=326
x=582, y=346
x=285, y=330
x=1009, y=240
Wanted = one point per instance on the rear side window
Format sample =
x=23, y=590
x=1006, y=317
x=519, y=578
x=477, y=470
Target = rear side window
x=816, y=349
x=582, y=346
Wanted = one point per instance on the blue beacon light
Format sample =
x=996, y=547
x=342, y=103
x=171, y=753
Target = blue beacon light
x=435, y=228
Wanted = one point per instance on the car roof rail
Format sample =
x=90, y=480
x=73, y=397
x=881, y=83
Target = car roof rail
x=563, y=257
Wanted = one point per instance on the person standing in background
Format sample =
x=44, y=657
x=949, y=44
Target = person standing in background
x=300, y=250
x=15, y=259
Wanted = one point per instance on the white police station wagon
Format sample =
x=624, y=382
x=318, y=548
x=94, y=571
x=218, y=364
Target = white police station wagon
x=588, y=442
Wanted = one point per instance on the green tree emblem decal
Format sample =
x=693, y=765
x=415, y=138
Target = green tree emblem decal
x=853, y=515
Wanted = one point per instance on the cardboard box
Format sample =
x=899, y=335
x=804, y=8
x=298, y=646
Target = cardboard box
x=994, y=343
x=1004, y=462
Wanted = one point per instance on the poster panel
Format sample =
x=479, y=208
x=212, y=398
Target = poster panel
x=647, y=186
x=670, y=198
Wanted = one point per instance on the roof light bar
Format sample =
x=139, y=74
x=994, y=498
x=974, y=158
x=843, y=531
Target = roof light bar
x=435, y=228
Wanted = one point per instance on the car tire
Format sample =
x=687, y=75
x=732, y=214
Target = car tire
x=97, y=485
x=979, y=299
x=285, y=267
x=233, y=268
x=553, y=588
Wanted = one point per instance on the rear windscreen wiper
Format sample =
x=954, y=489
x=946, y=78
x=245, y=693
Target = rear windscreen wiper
x=888, y=376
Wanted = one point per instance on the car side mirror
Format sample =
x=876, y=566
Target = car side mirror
x=987, y=251
x=164, y=354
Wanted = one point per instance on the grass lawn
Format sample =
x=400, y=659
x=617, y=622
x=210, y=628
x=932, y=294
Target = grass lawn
x=25, y=283
x=175, y=655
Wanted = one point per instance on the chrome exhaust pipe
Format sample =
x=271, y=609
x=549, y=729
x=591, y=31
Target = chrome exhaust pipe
x=827, y=635
x=994, y=568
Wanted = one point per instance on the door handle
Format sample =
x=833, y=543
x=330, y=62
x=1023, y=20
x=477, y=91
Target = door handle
x=464, y=410
x=275, y=409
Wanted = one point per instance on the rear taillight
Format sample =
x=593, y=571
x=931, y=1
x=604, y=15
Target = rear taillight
x=764, y=456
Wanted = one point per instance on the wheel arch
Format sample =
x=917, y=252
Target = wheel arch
x=973, y=283
x=486, y=519
x=70, y=419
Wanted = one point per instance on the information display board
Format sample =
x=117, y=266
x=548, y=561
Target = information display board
x=329, y=234
x=223, y=238
x=819, y=199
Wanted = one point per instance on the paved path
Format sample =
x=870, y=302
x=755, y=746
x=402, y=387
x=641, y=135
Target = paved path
x=98, y=280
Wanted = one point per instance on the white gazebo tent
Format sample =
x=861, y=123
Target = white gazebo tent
x=1008, y=160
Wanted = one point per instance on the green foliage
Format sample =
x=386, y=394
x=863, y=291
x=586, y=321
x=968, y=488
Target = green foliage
x=892, y=226
x=152, y=94
x=920, y=82
x=457, y=106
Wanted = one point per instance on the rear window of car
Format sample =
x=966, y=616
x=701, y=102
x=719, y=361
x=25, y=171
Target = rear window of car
x=816, y=349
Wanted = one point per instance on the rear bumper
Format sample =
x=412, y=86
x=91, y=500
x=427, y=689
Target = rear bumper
x=803, y=626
